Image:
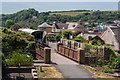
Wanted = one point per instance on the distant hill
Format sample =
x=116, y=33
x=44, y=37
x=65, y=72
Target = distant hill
x=31, y=17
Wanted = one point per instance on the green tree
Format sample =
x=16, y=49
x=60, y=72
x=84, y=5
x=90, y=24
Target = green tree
x=15, y=26
x=79, y=39
x=67, y=34
x=9, y=23
x=31, y=27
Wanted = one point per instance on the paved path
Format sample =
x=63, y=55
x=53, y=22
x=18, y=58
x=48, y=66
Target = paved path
x=67, y=67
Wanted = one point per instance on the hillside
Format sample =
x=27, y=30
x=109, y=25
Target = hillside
x=31, y=17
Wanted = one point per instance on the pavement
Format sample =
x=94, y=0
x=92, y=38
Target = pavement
x=67, y=67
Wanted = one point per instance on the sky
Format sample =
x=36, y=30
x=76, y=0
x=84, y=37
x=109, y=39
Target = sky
x=60, y=0
x=13, y=7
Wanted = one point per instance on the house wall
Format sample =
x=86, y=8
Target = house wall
x=117, y=32
x=110, y=40
x=86, y=35
x=47, y=29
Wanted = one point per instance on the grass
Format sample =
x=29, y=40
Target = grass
x=74, y=13
x=69, y=13
x=49, y=72
x=99, y=75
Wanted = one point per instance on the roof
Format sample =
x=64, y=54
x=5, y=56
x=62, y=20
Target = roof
x=61, y=25
x=44, y=25
x=115, y=27
x=116, y=31
x=27, y=30
x=101, y=34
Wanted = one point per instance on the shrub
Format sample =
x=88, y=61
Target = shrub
x=95, y=42
x=114, y=63
x=109, y=53
x=87, y=46
x=57, y=37
x=66, y=34
x=17, y=58
x=107, y=70
x=79, y=39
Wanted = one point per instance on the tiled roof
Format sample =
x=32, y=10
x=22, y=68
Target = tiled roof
x=61, y=25
x=101, y=34
x=44, y=25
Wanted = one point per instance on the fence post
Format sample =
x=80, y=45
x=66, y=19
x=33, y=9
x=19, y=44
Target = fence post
x=81, y=56
x=58, y=47
x=47, y=55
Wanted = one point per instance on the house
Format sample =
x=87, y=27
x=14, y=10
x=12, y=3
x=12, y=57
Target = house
x=102, y=27
x=45, y=27
x=98, y=39
x=88, y=35
x=75, y=27
x=111, y=37
x=57, y=28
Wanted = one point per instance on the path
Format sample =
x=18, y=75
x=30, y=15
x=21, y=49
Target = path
x=67, y=67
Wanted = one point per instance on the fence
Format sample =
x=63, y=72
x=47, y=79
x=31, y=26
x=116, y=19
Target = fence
x=43, y=52
x=77, y=52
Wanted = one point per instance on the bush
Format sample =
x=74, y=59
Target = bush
x=66, y=34
x=109, y=53
x=89, y=46
x=57, y=37
x=114, y=63
x=95, y=42
x=107, y=70
x=79, y=39
x=17, y=58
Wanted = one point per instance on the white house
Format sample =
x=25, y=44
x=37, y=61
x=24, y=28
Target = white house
x=112, y=37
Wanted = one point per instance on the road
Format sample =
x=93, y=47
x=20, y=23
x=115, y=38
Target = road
x=67, y=67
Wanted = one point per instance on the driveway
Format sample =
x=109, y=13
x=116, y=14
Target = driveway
x=67, y=67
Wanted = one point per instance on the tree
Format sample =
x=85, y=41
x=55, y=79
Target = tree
x=79, y=39
x=16, y=26
x=9, y=23
x=67, y=34
x=31, y=27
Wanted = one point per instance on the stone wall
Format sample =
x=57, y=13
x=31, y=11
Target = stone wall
x=75, y=51
x=43, y=53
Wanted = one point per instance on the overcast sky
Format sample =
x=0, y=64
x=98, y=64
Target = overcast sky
x=13, y=7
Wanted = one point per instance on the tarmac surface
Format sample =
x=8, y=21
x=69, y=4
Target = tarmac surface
x=67, y=67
